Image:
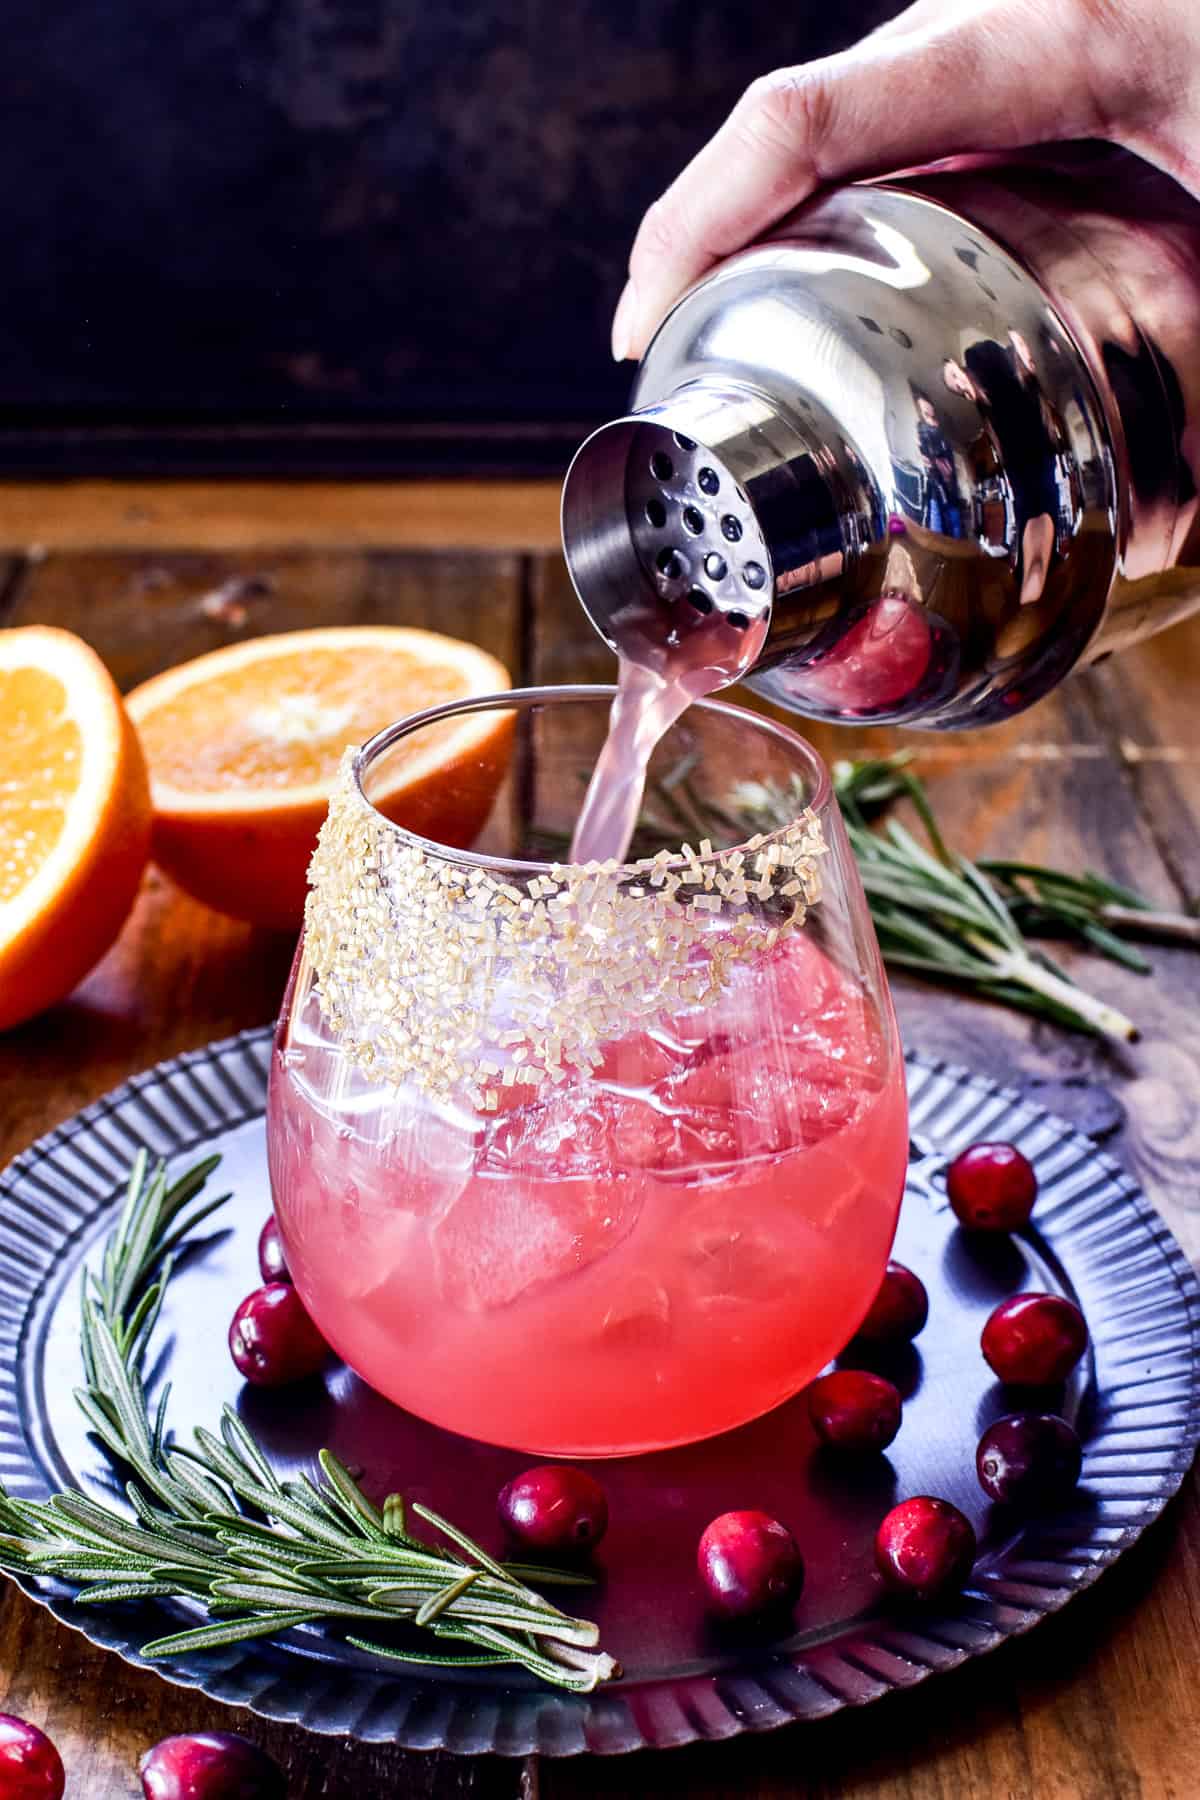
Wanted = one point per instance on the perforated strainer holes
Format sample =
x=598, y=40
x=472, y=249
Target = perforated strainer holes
x=683, y=518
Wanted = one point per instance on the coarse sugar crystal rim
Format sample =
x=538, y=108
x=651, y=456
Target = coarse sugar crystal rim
x=516, y=699
x=467, y=975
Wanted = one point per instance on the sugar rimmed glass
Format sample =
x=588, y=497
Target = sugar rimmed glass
x=586, y=1162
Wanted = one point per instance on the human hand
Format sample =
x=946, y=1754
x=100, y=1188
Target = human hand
x=945, y=77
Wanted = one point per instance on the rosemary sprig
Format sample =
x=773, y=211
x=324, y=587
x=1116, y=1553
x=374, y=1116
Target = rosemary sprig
x=213, y=1523
x=1046, y=902
x=940, y=914
x=1049, y=902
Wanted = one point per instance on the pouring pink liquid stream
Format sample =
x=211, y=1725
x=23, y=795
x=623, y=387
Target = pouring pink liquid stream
x=647, y=704
x=646, y=707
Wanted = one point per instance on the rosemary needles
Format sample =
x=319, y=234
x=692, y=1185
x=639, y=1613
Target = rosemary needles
x=938, y=912
x=213, y=1524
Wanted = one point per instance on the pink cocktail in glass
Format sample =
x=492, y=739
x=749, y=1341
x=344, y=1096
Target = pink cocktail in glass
x=658, y=1192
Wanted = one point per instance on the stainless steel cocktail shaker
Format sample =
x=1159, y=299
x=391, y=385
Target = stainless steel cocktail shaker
x=918, y=454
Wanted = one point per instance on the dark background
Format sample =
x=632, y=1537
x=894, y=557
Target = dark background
x=342, y=234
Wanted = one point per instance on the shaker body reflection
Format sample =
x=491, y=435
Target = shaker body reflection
x=669, y=1234
x=924, y=449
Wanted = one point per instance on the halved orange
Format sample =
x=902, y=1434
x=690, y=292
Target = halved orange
x=243, y=745
x=74, y=816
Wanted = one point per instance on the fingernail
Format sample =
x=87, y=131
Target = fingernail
x=622, y=325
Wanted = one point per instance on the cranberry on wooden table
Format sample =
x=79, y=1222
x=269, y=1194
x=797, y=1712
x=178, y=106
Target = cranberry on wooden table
x=899, y=1310
x=992, y=1187
x=749, y=1564
x=1034, y=1340
x=554, y=1508
x=853, y=1410
x=272, y=1339
x=210, y=1765
x=924, y=1548
x=1029, y=1460
x=30, y=1766
x=272, y=1259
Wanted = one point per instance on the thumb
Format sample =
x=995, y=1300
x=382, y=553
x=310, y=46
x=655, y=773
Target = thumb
x=1009, y=73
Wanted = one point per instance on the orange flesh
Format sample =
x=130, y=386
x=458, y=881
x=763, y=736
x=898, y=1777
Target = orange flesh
x=283, y=722
x=40, y=747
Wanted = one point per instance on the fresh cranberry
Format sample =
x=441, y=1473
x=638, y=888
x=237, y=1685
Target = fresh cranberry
x=749, y=1564
x=899, y=1310
x=210, y=1765
x=992, y=1187
x=272, y=1339
x=924, y=1548
x=555, y=1508
x=1034, y=1340
x=272, y=1259
x=1029, y=1460
x=30, y=1766
x=853, y=1410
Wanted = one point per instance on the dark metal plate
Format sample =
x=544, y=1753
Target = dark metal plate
x=1137, y=1403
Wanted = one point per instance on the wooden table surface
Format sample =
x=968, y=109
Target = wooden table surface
x=1102, y=1701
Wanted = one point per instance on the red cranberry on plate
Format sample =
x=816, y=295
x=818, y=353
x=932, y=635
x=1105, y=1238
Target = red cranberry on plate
x=852, y=1410
x=210, y=1765
x=30, y=1766
x=1029, y=1460
x=899, y=1310
x=1034, y=1340
x=749, y=1564
x=992, y=1187
x=272, y=1339
x=271, y=1257
x=924, y=1548
x=554, y=1507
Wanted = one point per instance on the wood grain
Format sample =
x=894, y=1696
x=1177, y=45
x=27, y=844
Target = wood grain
x=10, y=572
x=1148, y=698
x=1101, y=1702
x=145, y=613
x=232, y=516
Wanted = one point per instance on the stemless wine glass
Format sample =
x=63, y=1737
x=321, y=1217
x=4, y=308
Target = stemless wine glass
x=587, y=1160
